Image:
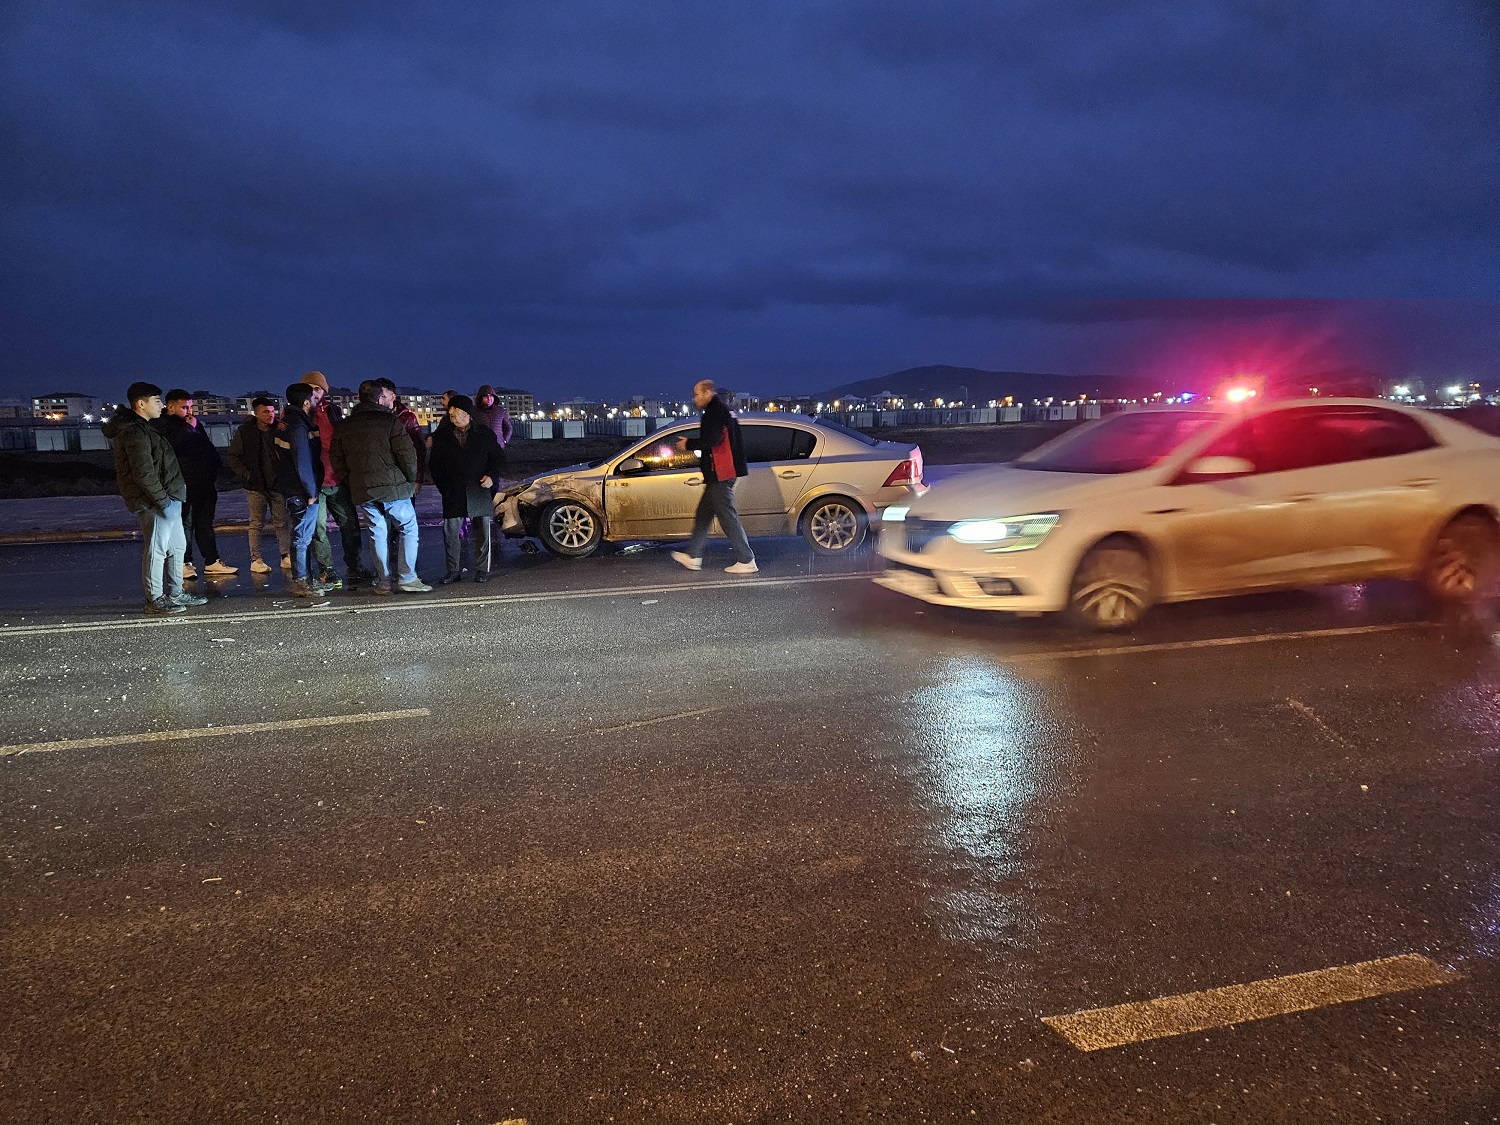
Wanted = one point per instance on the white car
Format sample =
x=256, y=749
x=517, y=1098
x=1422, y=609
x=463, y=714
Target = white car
x=1173, y=504
x=806, y=475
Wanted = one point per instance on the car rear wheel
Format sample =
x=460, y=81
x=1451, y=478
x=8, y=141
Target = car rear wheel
x=1112, y=588
x=1463, y=562
x=834, y=525
x=570, y=529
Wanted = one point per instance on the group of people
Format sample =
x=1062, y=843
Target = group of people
x=300, y=465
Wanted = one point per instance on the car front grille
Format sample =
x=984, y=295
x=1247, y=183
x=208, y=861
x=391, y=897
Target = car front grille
x=919, y=533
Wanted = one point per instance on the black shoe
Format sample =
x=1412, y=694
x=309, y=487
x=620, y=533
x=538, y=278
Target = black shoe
x=163, y=607
x=482, y=576
x=451, y=577
x=186, y=599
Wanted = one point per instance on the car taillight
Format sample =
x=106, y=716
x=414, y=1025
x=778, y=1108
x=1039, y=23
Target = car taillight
x=904, y=473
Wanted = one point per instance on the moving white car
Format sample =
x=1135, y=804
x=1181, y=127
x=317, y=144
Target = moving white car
x=1178, y=503
x=806, y=475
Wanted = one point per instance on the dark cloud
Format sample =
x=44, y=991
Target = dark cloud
x=597, y=194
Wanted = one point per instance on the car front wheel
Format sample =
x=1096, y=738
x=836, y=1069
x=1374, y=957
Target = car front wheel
x=570, y=529
x=1112, y=587
x=834, y=525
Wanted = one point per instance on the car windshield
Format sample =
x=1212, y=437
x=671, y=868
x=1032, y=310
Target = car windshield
x=1122, y=443
x=846, y=431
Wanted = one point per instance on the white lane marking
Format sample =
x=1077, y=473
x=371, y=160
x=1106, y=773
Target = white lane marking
x=1216, y=642
x=403, y=602
x=1333, y=735
x=210, y=732
x=1099, y=1028
x=647, y=722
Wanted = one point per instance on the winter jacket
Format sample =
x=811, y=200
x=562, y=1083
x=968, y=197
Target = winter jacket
x=456, y=467
x=374, y=455
x=721, y=453
x=299, y=462
x=196, y=455
x=418, y=437
x=145, y=466
x=326, y=418
x=252, y=454
x=495, y=418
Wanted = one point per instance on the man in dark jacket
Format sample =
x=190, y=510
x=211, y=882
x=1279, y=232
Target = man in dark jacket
x=151, y=486
x=200, y=462
x=723, y=462
x=334, y=498
x=464, y=463
x=252, y=455
x=373, y=452
x=490, y=413
x=299, y=477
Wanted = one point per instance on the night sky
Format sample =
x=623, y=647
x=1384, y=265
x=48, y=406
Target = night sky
x=601, y=198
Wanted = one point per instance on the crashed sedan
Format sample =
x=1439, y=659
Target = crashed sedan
x=808, y=476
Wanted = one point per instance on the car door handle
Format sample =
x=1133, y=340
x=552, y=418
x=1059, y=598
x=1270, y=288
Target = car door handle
x=1421, y=482
x=693, y=482
x=1302, y=498
x=789, y=474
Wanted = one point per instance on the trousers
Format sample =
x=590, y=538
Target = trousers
x=481, y=531
x=717, y=503
x=163, y=545
x=198, y=524
x=260, y=504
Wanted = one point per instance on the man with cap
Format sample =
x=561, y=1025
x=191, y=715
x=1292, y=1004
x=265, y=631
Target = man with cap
x=465, y=461
x=334, y=498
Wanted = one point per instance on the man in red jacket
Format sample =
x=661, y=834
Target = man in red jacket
x=722, y=459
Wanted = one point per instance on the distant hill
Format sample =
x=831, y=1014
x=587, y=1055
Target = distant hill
x=972, y=384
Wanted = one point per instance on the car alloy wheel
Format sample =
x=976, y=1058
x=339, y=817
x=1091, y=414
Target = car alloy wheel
x=833, y=526
x=1462, y=565
x=1112, y=588
x=570, y=529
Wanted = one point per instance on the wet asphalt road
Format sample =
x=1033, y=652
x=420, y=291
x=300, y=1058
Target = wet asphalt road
x=671, y=849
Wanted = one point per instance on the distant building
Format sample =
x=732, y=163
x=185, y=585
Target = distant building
x=63, y=406
x=16, y=408
x=208, y=404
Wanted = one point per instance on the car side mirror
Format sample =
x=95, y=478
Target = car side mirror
x=630, y=466
x=1220, y=467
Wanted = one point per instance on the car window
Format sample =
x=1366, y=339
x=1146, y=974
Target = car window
x=773, y=443
x=1121, y=443
x=864, y=439
x=803, y=445
x=1308, y=436
x=660, y=453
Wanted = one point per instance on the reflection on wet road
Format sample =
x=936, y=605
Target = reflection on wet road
x=673, y=849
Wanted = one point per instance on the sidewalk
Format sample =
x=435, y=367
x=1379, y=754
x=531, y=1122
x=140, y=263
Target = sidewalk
x=85, y=519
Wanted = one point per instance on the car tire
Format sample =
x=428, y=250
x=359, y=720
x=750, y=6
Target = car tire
x=570, y=528
x=1462, y=564
x=1112, y=588
x=834, y=525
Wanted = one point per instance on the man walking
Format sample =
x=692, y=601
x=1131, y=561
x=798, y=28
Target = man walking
x=723, y=462
x=373, y=452
x=151, y=486
x=465, y=461
x=199, y=462
x=334, y=498
x=252, y=454
x=299, y=476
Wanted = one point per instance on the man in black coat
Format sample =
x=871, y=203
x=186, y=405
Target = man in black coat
x=299, y=477
x=200, y=463
x=722, y=459
x=252, y=455
x=465, y=461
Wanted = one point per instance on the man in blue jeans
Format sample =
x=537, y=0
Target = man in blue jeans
x=299, y=478
x=151, y=485
x=374, y=453
x=722, y=460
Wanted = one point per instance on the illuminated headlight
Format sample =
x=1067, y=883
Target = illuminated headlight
x=1019, y=533
x=896, y=513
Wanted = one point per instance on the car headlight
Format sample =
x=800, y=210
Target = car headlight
x=1018, y=533
x=896, y=513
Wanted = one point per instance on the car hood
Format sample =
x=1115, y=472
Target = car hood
x=1003, y=490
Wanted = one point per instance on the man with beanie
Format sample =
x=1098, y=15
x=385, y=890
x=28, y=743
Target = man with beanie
x=723, y=462
x=334, y=498
x=252, y=455
x=490, y=413
x=153, y=490
x=299, y=476
x=200, y=462
x=465, y=461
x=372, y=451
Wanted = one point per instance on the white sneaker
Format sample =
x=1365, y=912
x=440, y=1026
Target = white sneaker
x=188, y=573
x=219, y=569
x=687, y=560
x=286, y=562
x=743, y=568
x=258, y=566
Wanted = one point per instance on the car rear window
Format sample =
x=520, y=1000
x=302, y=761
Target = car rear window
x=865, y=439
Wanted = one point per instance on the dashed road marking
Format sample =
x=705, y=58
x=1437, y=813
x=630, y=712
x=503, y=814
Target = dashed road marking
x=209, y=732
x=1099, y=1028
